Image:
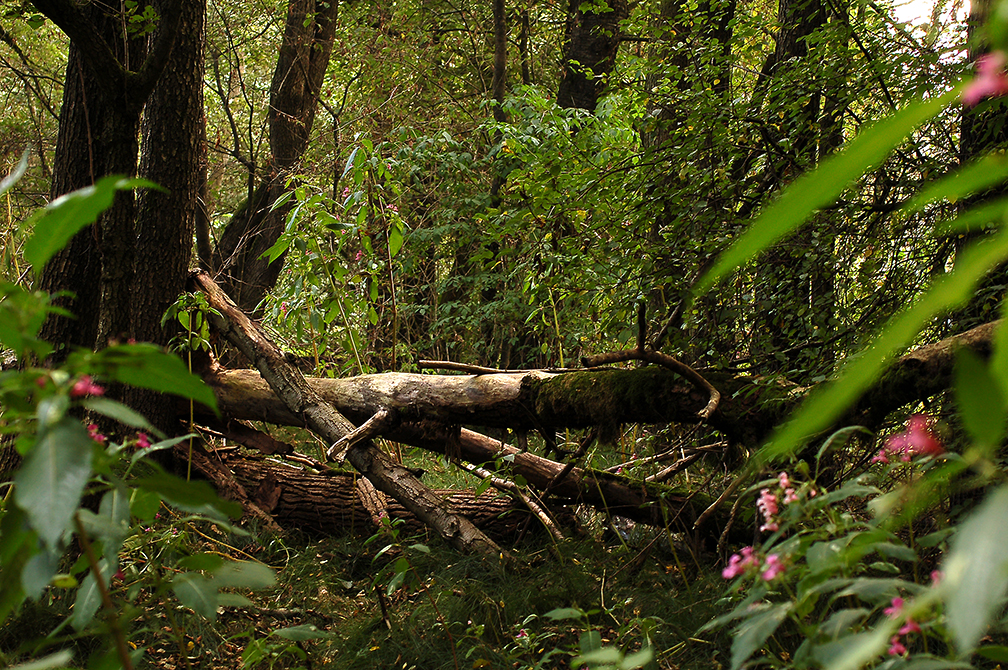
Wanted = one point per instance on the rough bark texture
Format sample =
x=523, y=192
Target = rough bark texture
x=320, y=416
x=174, y=157
x=330, y=503
x=304, y=56
x=592, y=40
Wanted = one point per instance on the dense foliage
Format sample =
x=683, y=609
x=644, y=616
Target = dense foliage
x=765, y=187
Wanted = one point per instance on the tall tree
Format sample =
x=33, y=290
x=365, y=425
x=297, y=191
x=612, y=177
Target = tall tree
x=110, y=73
x=592, y=37
x=308, y=37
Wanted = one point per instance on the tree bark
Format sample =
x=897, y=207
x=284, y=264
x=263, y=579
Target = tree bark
x=591, y=44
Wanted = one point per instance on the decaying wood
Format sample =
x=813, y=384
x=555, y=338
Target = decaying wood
x=323, y=419
x=330, y=503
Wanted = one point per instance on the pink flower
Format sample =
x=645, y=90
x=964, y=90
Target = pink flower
x=85, y=387
x=773, y=567
x=360, y=255
x=896, y=647
x=909, y=627
x=893, y=611
x=790, y=496
x=738, y=564
x=783, y=480
x=95, y=435
x=521, y=634
x=936, y=577
x=767, y=505
x=392, y=208
x=916, y=440
x=919, y=439
x=990, y=80
x=41, y=381
x=284, y=306
x=143, y=441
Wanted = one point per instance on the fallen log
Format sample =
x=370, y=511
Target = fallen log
x=324, y=420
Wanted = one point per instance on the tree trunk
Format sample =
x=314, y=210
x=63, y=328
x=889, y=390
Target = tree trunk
x=175, y=157
x=297, y=81
x=591, y=43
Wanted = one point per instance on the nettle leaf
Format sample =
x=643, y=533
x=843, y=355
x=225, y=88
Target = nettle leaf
x=38, y=572
x=147, y=366
x=979, y=399
x=976, y=571
x=49, y=486
x=302, y=633
x=66, y=215
x=752, y=632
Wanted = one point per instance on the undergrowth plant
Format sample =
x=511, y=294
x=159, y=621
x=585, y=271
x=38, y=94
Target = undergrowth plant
x=839, y=583
x=80, y=520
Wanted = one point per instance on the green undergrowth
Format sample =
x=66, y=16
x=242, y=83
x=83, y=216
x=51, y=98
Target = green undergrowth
x=332, y=590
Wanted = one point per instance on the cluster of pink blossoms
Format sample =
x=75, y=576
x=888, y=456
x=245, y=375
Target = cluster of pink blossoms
x=748, y=560
x=990, y=81
x=85, y=386
x=92, y=430
x=896, y=646
x=916, y=440
x=769, y=507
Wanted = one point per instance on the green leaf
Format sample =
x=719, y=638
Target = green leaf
x=194, y=496
x=395, y=240
x=114, y=409
x=38, y=572
x=979, y=399
x=988, y=171
x=66, y=215
x=244, y=574
x=16, y=174
x=975, y=218
x=144, y=504
x=825, y=405
x=61, y=659
x=146, y=366
x=853, y=651
x=302, y=633
x=751, y=633
x=197, y=593
x=564, y=613
x=603, y=656
x=637, y=659
x=201, y=561
x=49, y=485
x=89, y=597
x=994, y=652
x=823, y=185
x=160, y=446
x=976, y=571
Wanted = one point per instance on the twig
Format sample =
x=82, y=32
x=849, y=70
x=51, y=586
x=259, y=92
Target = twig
x=514, y=490
x=717, y=503
x=379, y=423
x=675, y=468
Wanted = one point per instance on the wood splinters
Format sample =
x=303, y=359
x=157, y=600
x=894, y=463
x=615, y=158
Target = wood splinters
x=379, y=423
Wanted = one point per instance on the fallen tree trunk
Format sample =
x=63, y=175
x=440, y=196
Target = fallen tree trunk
x=323, y=419
x=330, y=503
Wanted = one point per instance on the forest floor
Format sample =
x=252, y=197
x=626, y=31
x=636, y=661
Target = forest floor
x=333, y=607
